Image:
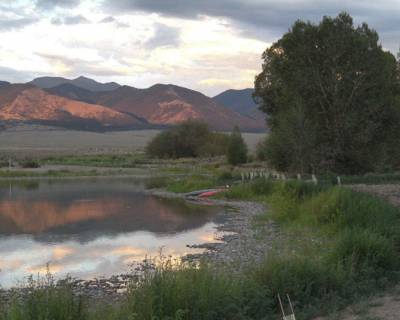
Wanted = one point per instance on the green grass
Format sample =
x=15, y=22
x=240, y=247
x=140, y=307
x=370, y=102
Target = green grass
x=181, y=184
x=352, y=237
x=183, y=292
x=101, y=160
x=190, y=182
x=50, y=173
x=45, y=300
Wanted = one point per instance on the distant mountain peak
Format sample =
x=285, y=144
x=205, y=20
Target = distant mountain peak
x=81, y=82
x=240, y=101
x=4, y=83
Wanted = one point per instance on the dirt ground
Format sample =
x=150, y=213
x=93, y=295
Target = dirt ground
x=383, y=307
x=390, y=192
x=387, y=305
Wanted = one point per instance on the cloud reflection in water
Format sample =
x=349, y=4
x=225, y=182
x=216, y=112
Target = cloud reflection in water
x=93, y=228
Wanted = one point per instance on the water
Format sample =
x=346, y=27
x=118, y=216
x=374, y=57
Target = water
x=92, y=227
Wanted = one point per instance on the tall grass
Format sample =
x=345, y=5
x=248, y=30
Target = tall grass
x=43, y=299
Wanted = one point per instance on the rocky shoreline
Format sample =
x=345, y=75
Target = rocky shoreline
x=239, y=243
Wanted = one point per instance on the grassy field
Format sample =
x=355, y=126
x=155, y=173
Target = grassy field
x=35, y=141
x=129, y=160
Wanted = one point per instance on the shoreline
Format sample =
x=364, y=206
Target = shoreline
x=238, y=247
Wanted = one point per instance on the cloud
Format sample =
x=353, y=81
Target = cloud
x=15, y=23
x=74, y=66
x=259, y=12
x=51, y=4
x=108, y=19
x=122, y=24
x=111, y=19
x=70, y=20
x=163, y=36
x=262, y=18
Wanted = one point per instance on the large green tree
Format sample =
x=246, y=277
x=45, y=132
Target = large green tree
x=330, y=92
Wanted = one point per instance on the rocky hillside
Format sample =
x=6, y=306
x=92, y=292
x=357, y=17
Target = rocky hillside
x=29, y=103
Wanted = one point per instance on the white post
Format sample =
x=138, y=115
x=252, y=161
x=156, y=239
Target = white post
x=298, y=176
x=314, y=179
x=339, y=181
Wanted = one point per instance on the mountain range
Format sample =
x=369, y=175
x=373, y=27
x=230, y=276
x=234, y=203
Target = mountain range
x=84, y=103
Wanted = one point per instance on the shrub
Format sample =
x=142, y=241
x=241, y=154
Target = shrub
x=237, y=148
x=29, y=163
x=188, y=139
x=156, y=182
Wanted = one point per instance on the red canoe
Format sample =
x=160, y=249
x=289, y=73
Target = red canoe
x=210, y=193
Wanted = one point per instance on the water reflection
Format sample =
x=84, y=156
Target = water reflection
x=92, y=227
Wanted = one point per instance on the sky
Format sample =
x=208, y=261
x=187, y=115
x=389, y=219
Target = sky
x=205, y=45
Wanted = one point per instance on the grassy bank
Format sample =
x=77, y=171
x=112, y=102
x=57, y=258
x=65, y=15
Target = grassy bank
x=204, y=179
x=341, y=245
x=129, y=160
x=62, y=173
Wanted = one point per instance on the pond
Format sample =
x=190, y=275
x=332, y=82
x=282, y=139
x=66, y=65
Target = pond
x=90, y=228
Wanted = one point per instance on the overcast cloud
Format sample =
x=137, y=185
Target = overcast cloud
x=271, y=16
x=207, y=45
x=15, y=23
x=163, y=36
x=51, y=4
x=70, y=20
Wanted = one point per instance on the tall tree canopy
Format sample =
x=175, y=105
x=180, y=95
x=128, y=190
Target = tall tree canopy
x=331, y=95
